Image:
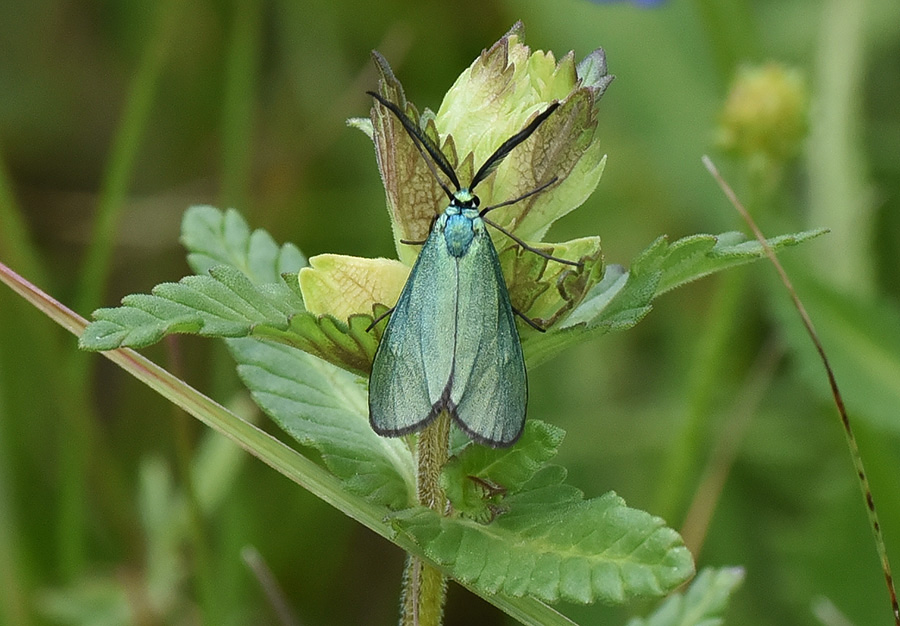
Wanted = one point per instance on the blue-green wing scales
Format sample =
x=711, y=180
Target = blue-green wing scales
x=489, y=388
x=451, y=343
x=413, y=362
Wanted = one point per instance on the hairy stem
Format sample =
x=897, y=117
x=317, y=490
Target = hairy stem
x=424, y=587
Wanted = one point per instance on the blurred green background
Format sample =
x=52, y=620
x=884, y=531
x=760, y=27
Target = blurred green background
x=713, y=412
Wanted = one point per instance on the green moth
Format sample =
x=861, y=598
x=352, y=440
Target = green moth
x=451, y=342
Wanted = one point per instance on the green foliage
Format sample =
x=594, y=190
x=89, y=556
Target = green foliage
x=702, y=604
x=216, y=238
x=629, y=552
x=476, y=477
x=551, y=543
x=325, y=408
x=520, y=530
x=223, y=303
x=227, y=302
x=247, y=287
x=624, y=297
x=226, y=103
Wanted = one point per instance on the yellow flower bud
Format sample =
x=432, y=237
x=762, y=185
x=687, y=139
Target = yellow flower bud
x=765, y=115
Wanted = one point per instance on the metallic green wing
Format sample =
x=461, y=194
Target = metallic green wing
x=413, y=363
x=488, y=390
x=451, y=343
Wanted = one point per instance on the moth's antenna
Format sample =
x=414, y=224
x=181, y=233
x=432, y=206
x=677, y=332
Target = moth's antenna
x=507, y=146
x=534, y=191
x=530, y=248
x=519, y=241
x=421, y=140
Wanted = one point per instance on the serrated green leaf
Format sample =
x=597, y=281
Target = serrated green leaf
x=325, y=408
x=226, y=304
x=700, y=255
x=223, y=304
x=350, y=345
x=249, y=288
x=703, y=604
x=623, y=298
x=553, y=544
x=477, y=478
x=132, y=327
x=214, y=237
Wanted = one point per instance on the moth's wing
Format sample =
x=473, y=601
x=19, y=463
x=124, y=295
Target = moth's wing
x=414, y=358
x=451, y=343
x=489, y=387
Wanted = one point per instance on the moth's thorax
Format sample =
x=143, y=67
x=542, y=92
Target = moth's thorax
x=459, y=222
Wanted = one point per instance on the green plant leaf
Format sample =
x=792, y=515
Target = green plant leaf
x=222, y=304
x=553, y=544
x=697, y=256
x=477, y=477
x=246, y=287
x=702, y=604
x=215, y=237
x=512, y=467
x=324, y=407
x=624, y=297
x=223, y=237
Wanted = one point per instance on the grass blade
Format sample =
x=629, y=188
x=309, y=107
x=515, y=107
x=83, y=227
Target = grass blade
x=832, y=381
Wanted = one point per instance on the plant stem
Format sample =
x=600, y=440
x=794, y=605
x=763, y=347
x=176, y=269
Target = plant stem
x=424, y=587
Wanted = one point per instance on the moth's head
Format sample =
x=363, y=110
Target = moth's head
x=485, y=117
x=465, y=199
